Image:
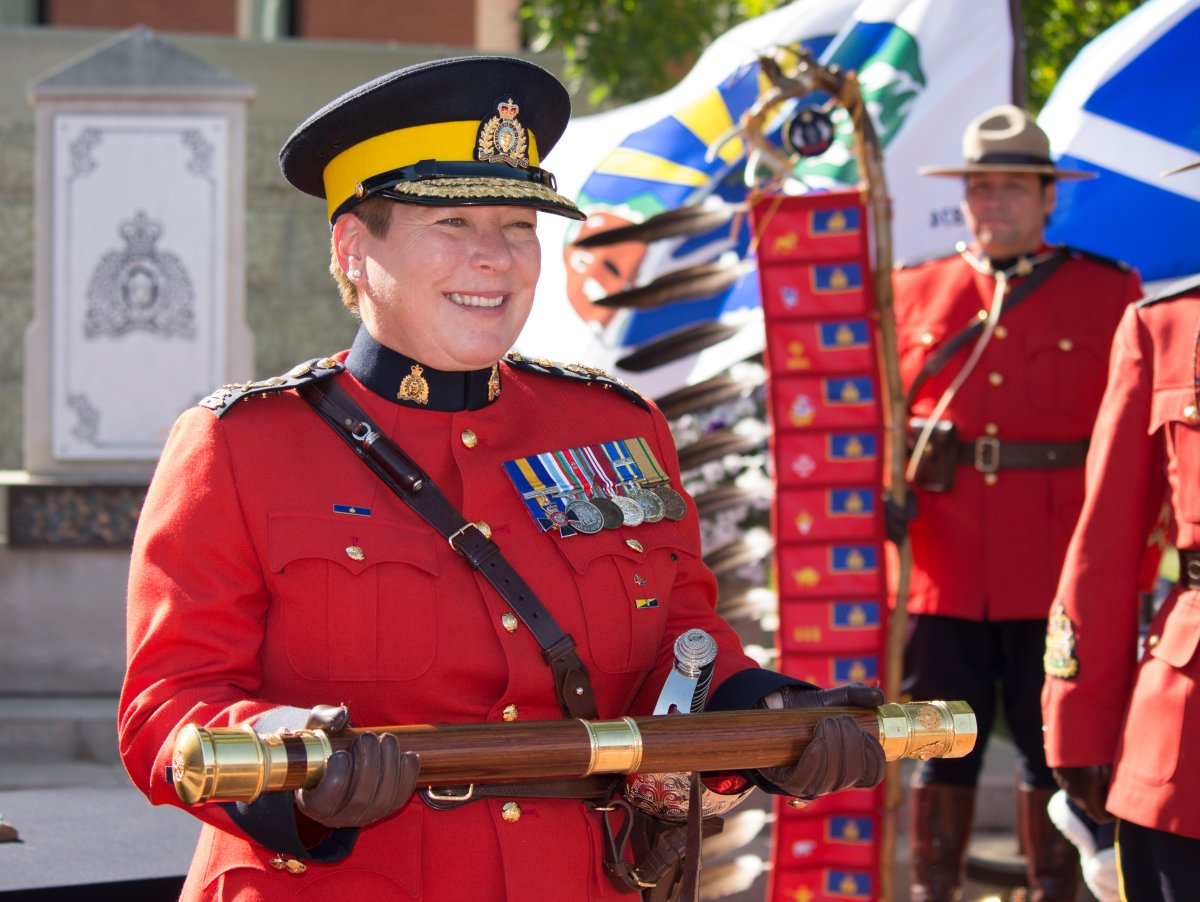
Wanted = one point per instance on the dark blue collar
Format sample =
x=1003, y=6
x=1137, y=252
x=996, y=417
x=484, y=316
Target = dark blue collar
x=405, y=381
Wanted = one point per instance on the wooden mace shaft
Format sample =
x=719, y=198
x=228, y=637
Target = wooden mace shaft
x=237, y=764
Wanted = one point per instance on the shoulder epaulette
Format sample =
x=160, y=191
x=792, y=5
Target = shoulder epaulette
x=224, y=398
x=577, y=371
x=1176, y=289
x=1080, y=254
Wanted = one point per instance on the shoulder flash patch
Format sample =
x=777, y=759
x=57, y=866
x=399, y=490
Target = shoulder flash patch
x=1190, y=285
x=1079, y=254
x=222, y=400
x=577, y=371
x=1059, y=659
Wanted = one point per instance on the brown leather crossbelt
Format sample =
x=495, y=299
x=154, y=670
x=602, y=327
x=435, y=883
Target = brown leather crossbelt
x=1189, y=569
x=988, y=454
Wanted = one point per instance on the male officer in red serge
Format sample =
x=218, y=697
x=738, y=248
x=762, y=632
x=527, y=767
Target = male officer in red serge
x=1122, y=731
x=1003, y=350
x=275, y=575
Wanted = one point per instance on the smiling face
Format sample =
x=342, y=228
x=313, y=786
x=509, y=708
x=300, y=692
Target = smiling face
x=1006, y=211
x=451, y=287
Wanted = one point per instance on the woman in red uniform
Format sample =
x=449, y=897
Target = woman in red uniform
x=274, y=574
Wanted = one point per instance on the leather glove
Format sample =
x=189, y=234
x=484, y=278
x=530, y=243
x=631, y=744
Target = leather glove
x=1088, y=788
x=897, y=518
x=839, y=756
x=361, y=785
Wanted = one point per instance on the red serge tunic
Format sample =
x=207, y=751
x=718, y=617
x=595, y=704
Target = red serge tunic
x=243, y=598
x=1141, y=715
x=992, y=551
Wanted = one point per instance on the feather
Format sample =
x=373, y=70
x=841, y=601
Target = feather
x=681, y=222
x=674, y=345
x=699, y=281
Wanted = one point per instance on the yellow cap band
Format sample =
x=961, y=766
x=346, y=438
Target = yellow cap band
x=443, y=141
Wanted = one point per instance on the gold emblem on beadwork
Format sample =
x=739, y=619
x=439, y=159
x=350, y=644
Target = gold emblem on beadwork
x=414, y=387
x=502, y=138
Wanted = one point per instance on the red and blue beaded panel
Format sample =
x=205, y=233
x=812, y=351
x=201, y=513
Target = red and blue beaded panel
x=827, y=457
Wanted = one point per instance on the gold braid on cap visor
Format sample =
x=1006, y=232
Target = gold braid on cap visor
x=393, y=150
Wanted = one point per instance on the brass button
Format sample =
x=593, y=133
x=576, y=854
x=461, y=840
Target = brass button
x=1191, y=413
x=469, y=438
x=991, y=429
x=511, y=812
x=981, y=315
x=510, y=713
x=355, y=553
x=1001, y=332
x=995, y=378
x=509, y=621
x=926, y=338
x=291, y=865
x=1151, y=641
x=797, y=804
x=634, y=544
x=1066, y=344
x=990, y=478
x=485, y=529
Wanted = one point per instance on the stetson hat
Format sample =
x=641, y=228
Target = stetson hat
x=464, y=130
x=1005, y=139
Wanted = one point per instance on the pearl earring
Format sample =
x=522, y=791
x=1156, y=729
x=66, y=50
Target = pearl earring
x=354, y=273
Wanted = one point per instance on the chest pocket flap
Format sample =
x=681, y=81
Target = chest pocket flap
x=351, y=593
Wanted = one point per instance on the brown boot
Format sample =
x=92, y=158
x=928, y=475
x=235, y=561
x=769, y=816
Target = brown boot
x=1052, y=861
x=939, y=833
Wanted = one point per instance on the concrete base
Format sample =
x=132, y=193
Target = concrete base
x=96, y=842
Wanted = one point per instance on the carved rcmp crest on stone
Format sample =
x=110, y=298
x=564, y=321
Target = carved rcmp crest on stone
x=502, y=138
x=140, y=288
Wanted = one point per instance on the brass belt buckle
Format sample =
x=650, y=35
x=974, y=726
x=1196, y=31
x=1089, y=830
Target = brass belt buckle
x=987, y=454
x=433, y=793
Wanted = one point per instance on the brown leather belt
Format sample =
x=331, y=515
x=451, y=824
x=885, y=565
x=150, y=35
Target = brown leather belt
x=1189, y=569
x=595, y=789
x=988, y=454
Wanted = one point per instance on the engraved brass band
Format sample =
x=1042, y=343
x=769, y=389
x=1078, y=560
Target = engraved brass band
x=924, y=730
x=616, y=746
x=237, y=763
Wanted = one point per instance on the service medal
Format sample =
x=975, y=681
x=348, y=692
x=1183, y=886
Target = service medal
x=652, y=506
x=610, y=510
x=632, y=513
x=673, y=503
x=585, y=516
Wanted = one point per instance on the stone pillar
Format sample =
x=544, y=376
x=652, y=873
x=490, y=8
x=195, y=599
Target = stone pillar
x=139, y=311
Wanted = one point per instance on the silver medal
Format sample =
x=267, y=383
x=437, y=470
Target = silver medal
x=585, y=516
x=651, y=505
x=631, y=511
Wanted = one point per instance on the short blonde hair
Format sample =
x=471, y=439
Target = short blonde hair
x=376, y=215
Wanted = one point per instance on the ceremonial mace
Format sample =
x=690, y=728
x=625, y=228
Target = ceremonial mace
x=237, y=764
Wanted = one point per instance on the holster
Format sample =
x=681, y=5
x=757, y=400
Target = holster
x=935, y=470
x=658, y=849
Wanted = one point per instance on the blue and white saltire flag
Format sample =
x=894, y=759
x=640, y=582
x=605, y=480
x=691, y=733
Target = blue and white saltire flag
x=1128, y=108
x=927, y=67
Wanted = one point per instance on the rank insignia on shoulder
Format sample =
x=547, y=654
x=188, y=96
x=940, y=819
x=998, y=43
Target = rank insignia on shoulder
x=224, y=398
x=588, y=489
x=1059, y=659
x=577, y=371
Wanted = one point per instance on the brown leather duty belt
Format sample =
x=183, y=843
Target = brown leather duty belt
x=1189, y=569
x=988, y=454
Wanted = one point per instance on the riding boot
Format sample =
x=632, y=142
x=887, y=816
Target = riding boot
x=1052, y=861
x=941, y=819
